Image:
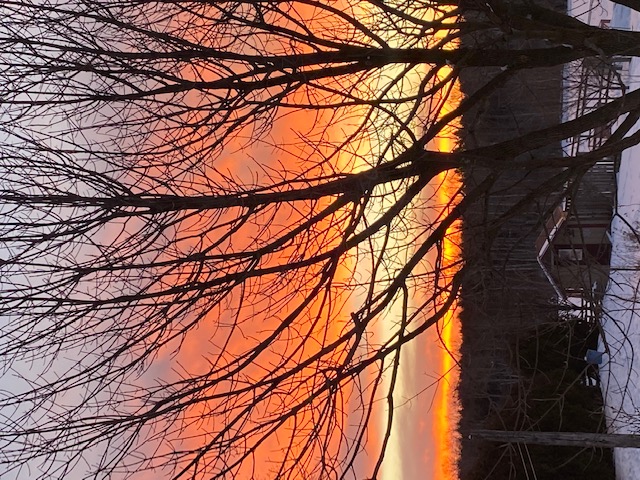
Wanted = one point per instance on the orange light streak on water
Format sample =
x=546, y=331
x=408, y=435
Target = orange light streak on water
x=446, y=403
x=446, y=407
x=424, y=435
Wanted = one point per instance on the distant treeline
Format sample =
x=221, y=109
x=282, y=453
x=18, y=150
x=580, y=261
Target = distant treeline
x=514, y=350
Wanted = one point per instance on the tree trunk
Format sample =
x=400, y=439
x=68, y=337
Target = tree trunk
x=561, y=439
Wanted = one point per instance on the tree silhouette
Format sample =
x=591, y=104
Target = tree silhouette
x=154, y=213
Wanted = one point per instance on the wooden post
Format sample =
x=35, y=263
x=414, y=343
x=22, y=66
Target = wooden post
x=565, y=439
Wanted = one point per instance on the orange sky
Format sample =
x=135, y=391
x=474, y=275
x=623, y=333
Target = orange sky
x=424, y=399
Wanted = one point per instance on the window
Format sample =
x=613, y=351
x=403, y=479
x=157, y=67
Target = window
x=570, y=255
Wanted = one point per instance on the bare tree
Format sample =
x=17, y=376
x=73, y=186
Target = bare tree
x=148, y=196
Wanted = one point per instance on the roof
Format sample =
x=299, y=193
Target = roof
x=551, y=228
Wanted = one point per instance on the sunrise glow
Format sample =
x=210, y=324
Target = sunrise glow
x=424, y=433
x=447, y=412
x=425, y=406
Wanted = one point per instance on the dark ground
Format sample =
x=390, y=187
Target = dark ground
x=508, y=321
